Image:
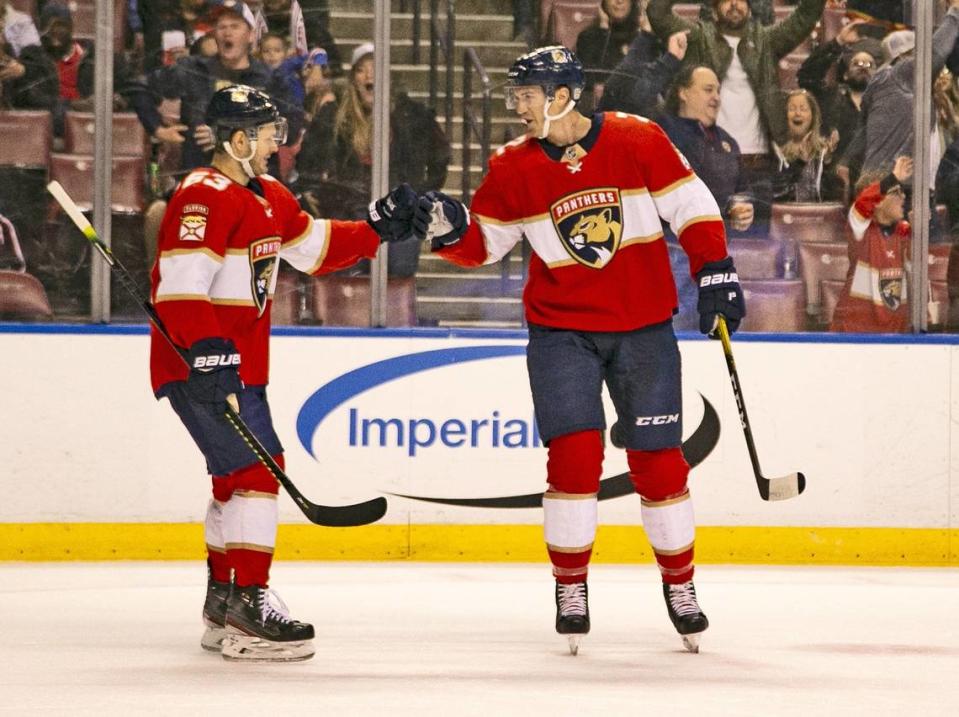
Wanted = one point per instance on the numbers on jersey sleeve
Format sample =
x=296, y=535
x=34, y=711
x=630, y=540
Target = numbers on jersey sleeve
x=215, y=181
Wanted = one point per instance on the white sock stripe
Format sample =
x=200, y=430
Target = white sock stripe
x=558, y=549
x=669, y=527
x=249, y=521
x=213, y=526
x=569, y=523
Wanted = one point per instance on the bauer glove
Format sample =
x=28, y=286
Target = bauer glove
x=441, y=219
x=391, y=216
x=214, y=371
x=719, y=293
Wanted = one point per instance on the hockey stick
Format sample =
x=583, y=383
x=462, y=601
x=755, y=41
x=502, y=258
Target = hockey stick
x=333, y=516
x=783, y=488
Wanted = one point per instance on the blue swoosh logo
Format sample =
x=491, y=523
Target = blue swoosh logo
x=329, y=397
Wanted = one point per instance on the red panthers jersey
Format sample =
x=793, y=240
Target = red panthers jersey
x=217, y=255
x=593, y=219
x=875, y=297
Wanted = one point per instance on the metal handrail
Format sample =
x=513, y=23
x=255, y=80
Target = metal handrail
x=471, y=63
x=444, y=39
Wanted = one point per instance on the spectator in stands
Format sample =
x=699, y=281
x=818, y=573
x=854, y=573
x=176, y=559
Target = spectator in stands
x=162, y=19
x=854, y=60
x=762, y=10
x=194, y=79
x=636, y=85
x=56, y=26
x=28, y=78
x=274, y=49
x=744, y=54
x=204, y=46
x=805, y=158
x=690, y=123
x=886, y=126
x=604, y=44
x=17, y=29
x=875, y=298
x=286, y=17
x=335, y=164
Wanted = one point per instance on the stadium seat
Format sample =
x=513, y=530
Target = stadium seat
x=938, y=304
x=774, y=305
x=288, y=297
x=568, y=18
x=821, y=262
x=75, y=173
x=22, y=296
x=345, y=301
x=689, y=11
x=755, y=258
x=830, y=290
x=27, y=138
x=788, y=68
x=129, y=137
x=84, y=15
x=938, y=261
x=808, y=222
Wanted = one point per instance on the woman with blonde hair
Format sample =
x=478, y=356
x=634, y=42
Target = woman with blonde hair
x=805, y=158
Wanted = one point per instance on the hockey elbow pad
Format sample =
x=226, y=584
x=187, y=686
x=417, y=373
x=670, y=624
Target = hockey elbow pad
x=441, y=219
x=719, y=293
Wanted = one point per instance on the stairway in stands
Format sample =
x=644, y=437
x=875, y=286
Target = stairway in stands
x=445, y=294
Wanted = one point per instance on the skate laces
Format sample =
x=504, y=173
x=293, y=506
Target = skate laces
x=272, y=607
x=683, y=599
x=572, y=598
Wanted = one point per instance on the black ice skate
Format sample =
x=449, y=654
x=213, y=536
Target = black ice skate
x=572, y=613
x=257, y=629
x=214, y=615
x=684, y=611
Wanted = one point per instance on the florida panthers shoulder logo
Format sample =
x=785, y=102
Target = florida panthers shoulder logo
x=590, y=225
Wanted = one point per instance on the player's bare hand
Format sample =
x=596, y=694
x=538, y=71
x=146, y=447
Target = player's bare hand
x=203, y=136
x=171, y=134
x=677, y=44
x=902, y=169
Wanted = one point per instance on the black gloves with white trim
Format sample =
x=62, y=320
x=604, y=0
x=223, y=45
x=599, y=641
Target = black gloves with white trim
x=214, y=371
x=719, y=293
x=391, y=216
x=441, y=219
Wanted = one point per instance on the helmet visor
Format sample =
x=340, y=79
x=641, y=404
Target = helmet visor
x=526, y=93
x=281, y=130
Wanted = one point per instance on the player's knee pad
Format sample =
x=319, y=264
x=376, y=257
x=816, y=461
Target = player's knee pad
x=256, y=477
x=658, y=475
x=575, y=462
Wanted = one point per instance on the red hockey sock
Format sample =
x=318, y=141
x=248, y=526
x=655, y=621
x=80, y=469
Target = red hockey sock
x=570, y=567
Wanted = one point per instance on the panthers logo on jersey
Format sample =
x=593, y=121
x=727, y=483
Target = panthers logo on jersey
x=263, y=261
x=590, y=225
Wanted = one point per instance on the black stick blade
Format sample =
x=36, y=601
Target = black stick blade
x=346, y=516
x=782, y=488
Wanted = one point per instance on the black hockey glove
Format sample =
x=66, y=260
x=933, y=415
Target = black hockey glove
x=719, y=293
x=214, y=370
x=391, y=216
x=441, y=219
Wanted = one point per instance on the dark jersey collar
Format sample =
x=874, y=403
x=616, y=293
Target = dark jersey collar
x=556, y=153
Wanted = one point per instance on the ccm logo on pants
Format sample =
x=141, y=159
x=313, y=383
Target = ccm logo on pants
x=657, y=420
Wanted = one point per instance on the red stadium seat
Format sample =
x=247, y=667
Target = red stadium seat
x=818, y=263
x=808, y=222
x=689, y=11
x=84, y=15
x=345, y=301
x=75, y=173
x=27, y=138
x=568, y=18
x=129, y=137
x=774, y=305
x=22, y=296
x=755, y=258
x=830, y=290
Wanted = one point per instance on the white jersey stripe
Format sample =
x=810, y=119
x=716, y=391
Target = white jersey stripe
x=308, y=251
x=187, y=273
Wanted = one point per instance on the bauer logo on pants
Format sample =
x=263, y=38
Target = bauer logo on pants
x=590, y=225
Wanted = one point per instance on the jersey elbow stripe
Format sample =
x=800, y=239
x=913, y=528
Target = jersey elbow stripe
x=699, y=220
x=309, y=251
x=161, y=298
x=674, y=186
x=204, y=251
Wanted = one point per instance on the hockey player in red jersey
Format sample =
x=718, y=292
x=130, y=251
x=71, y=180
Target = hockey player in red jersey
x=874, y=298
x=589, y=194
x=223, y=233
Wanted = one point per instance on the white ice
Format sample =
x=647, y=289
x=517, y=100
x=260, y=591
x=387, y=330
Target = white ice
x=466, y=639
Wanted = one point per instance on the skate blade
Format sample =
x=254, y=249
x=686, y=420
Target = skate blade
x=212, y=639
x=246, y=648
x=574, y=644
x=691, y=642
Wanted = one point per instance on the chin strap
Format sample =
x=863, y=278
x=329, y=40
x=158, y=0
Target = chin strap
x=547, y=118
x=244, y=161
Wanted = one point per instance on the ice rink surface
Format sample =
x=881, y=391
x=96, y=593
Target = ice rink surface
x=466, y=639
